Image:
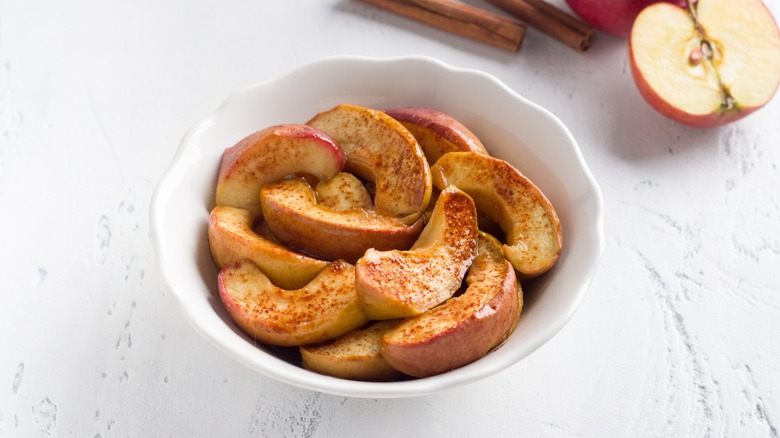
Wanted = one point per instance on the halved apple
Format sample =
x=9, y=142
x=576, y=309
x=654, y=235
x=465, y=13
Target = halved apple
x=344, y=192
x=380, y=149
x=437, y=132
x=291, y=211
x=396, y=284
x=231, y=238
x=464, y=328
x=707, y=65
x=355, y=355
x=270, y=155
x=327, y=307
x=527, y=218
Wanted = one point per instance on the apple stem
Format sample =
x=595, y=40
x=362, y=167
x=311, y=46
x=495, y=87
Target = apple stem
x=691, y=6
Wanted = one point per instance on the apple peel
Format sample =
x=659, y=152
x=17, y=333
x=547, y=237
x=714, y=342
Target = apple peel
x=327, y=307
x=291, y=211
x=381, y=150
x=270, y=155
x=437, y=132
x=396, y=284
x=355, y=355
x=464, y=328
x=232, y=238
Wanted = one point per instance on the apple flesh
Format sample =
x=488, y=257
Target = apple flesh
x=530, y=224
x=270, y=155
x=464, y=328
x=232, y=238
x=327, y=307
x=707, y=65
x=381, y=150
x=437, y=132
x=355, y=355
x=396, y=284
x=291, y=211
x=344, y=192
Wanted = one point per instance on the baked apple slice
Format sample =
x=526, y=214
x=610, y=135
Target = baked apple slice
x=327, y=307
x=270, y=155
x=291, y=211
x=380, y=149
x=344, y=192
x=232, y=238
x=437, y=132
x=396, y=284
x=464, y=328
x=527, y=218
x=355, y=355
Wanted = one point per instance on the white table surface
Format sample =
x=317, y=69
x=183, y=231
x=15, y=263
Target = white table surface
x=678, y=335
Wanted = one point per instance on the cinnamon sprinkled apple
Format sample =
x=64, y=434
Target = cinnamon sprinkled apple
x=381, y=150
x=437, y=132
x=327, y=307
x=428, y=292
x=464, y=328
x=270, y=155
x=292, y=213
x=525, y=215
x=231, y=238
x=396, y=284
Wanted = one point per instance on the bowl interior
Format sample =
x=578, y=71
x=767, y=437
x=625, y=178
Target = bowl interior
x=512, y=128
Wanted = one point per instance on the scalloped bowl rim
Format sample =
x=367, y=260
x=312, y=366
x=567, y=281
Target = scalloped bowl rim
x=512, y=128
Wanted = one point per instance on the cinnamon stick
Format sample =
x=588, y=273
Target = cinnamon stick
x=460, y=19
x=549, y=19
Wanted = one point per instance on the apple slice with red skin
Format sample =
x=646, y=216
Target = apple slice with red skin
x=381, y=150
x=437, y=132
x=396, y=284
x=527, y=218
x=270, y=155
x=291, y=211
x=464, y=328
x=232, y=238
x=324, y=309
x=707, y=65
x=355, y=355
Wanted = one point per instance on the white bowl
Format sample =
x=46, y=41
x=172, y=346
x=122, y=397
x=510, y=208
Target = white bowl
x=511, y=127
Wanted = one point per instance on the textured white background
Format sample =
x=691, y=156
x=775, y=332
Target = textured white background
x=677, y=336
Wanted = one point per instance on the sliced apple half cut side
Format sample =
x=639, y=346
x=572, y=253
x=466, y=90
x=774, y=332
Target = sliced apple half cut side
x=464, y=328
x=530, y=224
x=232, y=238
x=292, y=213
x=437, y=132
x=270, y=155
x=707, y=65
x=327, y=307
x=381, y=150
x=355, y=355
x=396, y=284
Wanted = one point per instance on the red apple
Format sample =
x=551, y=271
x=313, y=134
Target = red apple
x=707, y=65
x=612, y=16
